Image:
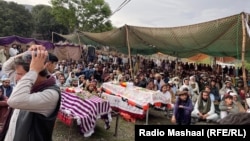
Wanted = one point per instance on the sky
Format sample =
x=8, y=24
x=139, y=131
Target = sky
x=167, y=13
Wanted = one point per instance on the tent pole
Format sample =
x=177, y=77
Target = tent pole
x=243, y=51
x=214, y=63
x=52, y=37
x=79, y=42
x=176, y=65
x=129, y=53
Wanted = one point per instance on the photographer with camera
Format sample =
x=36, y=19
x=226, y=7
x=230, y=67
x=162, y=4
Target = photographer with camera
x=35, y=98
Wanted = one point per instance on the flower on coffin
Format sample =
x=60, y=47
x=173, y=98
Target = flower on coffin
x=131, y=103
x=123, y=84
x=81, y=96
x=157, y=104
x=145, y=107
x=70, y=90
x=67, y=112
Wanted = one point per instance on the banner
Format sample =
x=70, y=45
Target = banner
x=192, y=132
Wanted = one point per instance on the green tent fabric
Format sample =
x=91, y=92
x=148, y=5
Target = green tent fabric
x=78, y=38
x=219, y=38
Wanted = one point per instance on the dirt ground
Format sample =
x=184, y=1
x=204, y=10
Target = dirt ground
x=125, y=130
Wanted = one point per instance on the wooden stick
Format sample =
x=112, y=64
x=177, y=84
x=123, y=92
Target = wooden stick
x=129, y=53
x=52, y=37
x=243, y=51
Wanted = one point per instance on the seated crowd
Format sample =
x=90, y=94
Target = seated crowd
x=194, y=92
x=213, y=96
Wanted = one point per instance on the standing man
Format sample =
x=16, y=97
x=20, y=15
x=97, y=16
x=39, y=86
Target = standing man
x=35, y=99
x=52, y=62
x=13, y=50
x=7, y=88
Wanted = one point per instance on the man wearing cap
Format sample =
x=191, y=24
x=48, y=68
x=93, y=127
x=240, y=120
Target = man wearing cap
x=35, y=99
x=176, y=81
x=237, y=100
x=173, y=86
x=158, y=81
x=182, y=109
x=226, y=88
x=195, y=88
x=6, y=87
x=227, y=106
x=186, y=85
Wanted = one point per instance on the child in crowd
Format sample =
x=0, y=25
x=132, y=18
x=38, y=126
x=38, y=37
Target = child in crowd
x=227, y=106
x=182, y=109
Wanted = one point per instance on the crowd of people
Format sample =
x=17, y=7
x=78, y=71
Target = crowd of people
x=194, y=92
x=214, y=92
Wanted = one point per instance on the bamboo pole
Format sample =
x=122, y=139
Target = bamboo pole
x=129, y=53
x=79, y=42
x=243, y=51
x=176, y=65
x=52, y=37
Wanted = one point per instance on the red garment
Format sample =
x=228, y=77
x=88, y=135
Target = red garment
x=242, y=95
x=3, y=109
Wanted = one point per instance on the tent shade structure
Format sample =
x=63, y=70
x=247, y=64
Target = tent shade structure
x=219, y=38
x=22, y=40
x=67, y=51
x=77, y=38
x=200, y=57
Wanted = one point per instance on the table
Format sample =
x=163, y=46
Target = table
x=85, y=111
x=134, y=100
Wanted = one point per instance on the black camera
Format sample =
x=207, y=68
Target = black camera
x=27, y=56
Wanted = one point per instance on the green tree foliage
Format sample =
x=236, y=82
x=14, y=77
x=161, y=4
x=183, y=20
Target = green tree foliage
x=247, y=65
x=84, y=15
x=15, y=20
x=45, y=22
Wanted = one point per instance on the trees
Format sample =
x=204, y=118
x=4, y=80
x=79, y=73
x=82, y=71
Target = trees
x=65, y=16
x=45, y=23
x=85, y=15
x=15, y=20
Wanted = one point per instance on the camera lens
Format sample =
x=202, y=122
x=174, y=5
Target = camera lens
x=27, y=56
